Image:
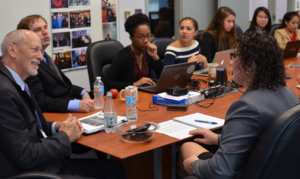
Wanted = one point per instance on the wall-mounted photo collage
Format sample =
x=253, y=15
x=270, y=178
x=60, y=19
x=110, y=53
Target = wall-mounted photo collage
x=109, y=18
x=71, y=32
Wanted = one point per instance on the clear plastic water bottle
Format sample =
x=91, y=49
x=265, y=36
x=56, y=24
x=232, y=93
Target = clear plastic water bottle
x=98, y=93
x=131, y=102
x=110, y=114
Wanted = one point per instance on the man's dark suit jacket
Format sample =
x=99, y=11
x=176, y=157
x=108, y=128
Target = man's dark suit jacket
x=22, y=147
x=51, y=92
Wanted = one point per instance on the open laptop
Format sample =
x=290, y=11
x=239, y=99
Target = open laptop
x=222, y=58
x=172, y=75
x=291, y=49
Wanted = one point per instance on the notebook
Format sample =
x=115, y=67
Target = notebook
x=222, y=58
x=172, y=75
x=199, y=120
x=291, y=49
x=179, y=127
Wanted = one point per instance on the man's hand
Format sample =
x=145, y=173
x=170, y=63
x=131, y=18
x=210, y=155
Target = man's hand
x=86, y=105
x=209, y=137
x=72, y=127
x=86, y=96
x=144, y=80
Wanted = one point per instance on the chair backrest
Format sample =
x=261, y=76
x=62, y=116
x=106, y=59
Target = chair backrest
x=274, y=28
x=162, y=44
x=276, y=154
x=100, y=55
x=239, y=31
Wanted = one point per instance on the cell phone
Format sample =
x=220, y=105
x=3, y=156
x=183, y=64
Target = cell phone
x=139, y=129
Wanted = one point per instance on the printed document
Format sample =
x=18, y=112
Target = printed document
x=179, y=127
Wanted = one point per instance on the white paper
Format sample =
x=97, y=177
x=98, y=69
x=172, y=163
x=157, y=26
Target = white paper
x=95, y=122
x=179, y=127
x=190, y=120
x=175, y=129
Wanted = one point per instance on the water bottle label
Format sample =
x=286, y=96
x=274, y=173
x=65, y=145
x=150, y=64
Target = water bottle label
x=110, y=121
x=130, y=100
x=99, y=89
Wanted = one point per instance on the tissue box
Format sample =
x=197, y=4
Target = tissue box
x=165, y=99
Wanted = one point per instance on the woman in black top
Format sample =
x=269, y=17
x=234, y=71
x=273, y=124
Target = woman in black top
x=135, y=64
x=261, y=21
x=220, y=34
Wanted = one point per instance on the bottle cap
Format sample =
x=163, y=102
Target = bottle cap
x=98, y=77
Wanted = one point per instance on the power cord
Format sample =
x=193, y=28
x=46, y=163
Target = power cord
x=150, y=108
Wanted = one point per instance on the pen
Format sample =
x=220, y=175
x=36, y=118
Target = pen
x=208, y=122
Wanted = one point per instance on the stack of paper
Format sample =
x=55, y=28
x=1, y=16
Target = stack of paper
x=165, y=99
x=95, y=122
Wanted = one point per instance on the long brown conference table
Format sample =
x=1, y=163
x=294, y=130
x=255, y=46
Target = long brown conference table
x=156, y=159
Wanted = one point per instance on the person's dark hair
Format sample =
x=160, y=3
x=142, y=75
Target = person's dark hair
x=254, y=23
x=287, y=17
x=267, y=56
x=134, y=21
x=216, y=28
x=28, y=20
x=195, y=23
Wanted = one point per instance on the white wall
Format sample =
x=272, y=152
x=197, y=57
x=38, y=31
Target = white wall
x=200, y=10
x=12, y=11
x=280, y=10
x=241, y=9
x=255, y=4
x=129, y=5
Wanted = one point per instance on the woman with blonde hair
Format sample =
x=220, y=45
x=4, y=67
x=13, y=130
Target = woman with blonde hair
x=220, y=34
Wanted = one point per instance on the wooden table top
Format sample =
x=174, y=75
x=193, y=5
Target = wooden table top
x=111, y=144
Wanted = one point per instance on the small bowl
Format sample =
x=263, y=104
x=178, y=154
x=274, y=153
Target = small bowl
x=136, y=131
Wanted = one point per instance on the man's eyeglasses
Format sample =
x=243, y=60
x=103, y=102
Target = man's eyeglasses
x=141, y=37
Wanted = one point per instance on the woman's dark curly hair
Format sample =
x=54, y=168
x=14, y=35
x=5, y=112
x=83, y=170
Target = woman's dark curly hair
x=134, y=21
x=266, y=54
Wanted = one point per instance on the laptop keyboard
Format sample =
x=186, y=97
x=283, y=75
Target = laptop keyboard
x=150, y=87
x=201, y=72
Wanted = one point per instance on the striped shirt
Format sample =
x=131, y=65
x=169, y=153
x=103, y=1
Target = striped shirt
x=176, y=55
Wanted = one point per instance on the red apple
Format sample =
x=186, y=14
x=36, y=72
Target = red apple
x=114, y=93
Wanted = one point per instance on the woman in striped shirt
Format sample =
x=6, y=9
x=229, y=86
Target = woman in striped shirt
x=186, y=49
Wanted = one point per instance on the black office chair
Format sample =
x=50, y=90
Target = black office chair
x=100, y=55
x=239, y=31
x=274, y=28
x=197, y=37
x=162, y=44
x=34, y=175
x=276, y=154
